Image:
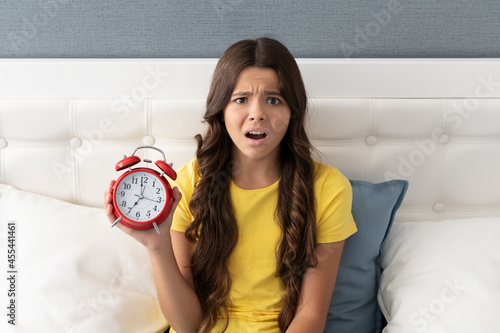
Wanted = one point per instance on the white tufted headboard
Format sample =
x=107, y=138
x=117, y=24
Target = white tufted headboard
x=65, y=123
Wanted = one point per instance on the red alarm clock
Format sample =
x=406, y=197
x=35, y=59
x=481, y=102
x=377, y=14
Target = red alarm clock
x=142, y=197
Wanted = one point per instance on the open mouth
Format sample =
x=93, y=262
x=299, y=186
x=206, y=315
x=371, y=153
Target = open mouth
x=256, y=135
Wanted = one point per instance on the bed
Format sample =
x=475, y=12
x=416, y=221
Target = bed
x=418, y=138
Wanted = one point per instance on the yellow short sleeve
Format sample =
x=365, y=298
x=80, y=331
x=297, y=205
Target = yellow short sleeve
x=333, y=205
x=187, y=176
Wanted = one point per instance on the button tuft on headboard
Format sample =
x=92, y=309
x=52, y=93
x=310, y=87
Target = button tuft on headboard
x=444, y=139
x=148, y=140
x=371, y=140
x=75, y=142
x=438, y=207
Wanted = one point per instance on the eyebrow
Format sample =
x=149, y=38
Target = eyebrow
x=247, y=93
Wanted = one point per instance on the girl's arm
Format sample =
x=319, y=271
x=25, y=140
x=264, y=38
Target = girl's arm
x=317, y=289
x=170, y=254
x=174, y=284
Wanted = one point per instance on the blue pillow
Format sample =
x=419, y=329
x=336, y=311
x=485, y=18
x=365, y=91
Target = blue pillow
x=354, y=307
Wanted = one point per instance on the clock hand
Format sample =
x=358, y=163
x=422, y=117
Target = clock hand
x=141, y=196
x=150, y=199
x=142, y=187
x=135, y=203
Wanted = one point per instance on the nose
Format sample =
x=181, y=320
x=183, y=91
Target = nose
x=257, y=112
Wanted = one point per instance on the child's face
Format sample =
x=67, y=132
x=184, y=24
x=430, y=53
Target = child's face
x=257, y=116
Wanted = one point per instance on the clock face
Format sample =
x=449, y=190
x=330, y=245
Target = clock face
x=140, y=195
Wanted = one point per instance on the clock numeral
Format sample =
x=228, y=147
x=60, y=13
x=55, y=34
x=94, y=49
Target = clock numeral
x=140, y=203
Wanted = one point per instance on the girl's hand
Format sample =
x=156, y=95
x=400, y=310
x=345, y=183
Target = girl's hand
x=148, y=237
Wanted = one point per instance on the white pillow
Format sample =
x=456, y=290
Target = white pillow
x=74, y=273
x=442, y=277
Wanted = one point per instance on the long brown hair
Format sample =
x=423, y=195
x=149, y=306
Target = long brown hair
x=214, y=231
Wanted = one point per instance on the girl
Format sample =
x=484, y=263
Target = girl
x=257, y=234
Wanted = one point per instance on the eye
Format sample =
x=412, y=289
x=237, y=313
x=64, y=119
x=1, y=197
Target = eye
x=273, y=101
x=240, y=100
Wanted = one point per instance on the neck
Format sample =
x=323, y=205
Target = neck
x=250, y=174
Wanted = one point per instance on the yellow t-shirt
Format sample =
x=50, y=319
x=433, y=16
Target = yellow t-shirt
x=257, y=293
